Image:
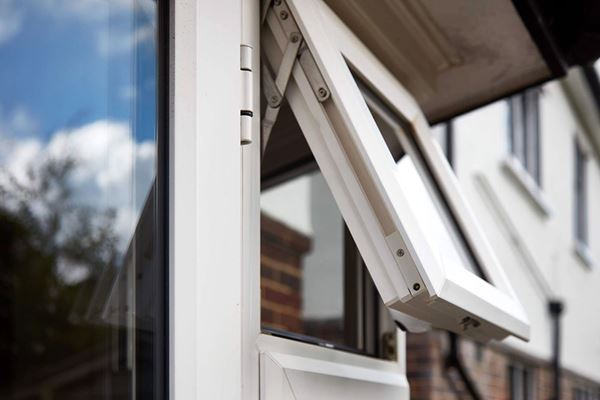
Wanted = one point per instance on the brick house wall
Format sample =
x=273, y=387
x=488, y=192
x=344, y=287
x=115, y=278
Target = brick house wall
x=282, y=251
x=488, y=365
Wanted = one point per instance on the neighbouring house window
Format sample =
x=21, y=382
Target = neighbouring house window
x=581, y=212
x=586, y=394
x=521, y=382
x=82, y=277
x=524, y=131
x=314, y=284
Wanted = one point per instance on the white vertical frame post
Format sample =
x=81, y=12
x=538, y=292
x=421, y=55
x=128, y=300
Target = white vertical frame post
x=250, y=238
x=205, y=313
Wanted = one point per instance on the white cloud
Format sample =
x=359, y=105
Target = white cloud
x=11, y=20
x=112, y=170
x=15, y=124
x=71, y=272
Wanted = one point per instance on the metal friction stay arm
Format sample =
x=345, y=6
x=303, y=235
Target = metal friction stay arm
x=279, y=25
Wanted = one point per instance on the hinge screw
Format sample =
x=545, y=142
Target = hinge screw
x=295, y=37
x=322, y=92
x=416, y=287
x=283, y=15
x=400, y=253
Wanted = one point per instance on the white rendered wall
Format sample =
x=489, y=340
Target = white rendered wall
x=537, y=248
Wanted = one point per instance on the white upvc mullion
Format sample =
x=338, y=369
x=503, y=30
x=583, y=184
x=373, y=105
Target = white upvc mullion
x=182, y=202
x=250, y=238
x=205, y=197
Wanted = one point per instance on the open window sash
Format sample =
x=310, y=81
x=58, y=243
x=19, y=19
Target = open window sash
x=420, y=242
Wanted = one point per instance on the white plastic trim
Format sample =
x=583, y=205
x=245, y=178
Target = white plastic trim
x=295, y=370
x=583, y=253
x=527, y=185
x=205, y=335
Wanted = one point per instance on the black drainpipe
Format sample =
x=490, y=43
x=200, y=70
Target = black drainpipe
x=454, y=360
x=556, y=308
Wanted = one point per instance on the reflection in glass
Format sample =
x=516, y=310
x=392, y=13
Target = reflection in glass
x=314, y=285
x=303, y=288
x=80, y=305
x=420, y=192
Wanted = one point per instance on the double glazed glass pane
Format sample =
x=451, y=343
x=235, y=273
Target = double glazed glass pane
x=420, y=189
x=80, y=298
x=314, y=286
x=581, y=217
x=303, y=288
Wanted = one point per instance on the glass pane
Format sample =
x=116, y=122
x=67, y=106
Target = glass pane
x=526, y=388
x=517, y=127
x=532, y=131
x=314, y=286
x=516, y=383
x=580, y=195
x=81, y=311
x=303, y=288
x=421, y=192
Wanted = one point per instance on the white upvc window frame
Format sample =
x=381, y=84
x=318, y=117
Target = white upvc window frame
x=350, y=152
x=525, y=132
x=289, y=368
x=205, y=221
x=523, y=161
x=215, y=344
x=581, y=229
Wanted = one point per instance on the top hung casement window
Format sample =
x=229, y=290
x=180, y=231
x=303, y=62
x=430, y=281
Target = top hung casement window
x=400, y=200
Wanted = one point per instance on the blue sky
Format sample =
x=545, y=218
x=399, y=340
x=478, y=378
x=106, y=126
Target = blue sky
x=71, y=66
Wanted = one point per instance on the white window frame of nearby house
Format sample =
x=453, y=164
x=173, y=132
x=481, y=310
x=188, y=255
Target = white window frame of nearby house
x=524, y=131
x=581, y=393
x=521, y=382
x=524, y=159
x=580, y=203
x=357, y=166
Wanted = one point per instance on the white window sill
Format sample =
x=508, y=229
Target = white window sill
x=582, y=251
x=529, y=186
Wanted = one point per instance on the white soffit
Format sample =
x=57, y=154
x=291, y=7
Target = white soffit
x=452, y=55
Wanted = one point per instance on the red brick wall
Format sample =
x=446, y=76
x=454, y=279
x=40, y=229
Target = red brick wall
x=282, y=250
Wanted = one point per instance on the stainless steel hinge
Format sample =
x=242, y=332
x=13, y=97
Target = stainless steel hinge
x=247, y=104
x=278, y=18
